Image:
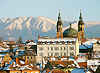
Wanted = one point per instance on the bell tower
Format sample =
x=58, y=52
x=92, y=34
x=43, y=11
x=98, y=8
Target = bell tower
x=59, y=27
x=80, y=27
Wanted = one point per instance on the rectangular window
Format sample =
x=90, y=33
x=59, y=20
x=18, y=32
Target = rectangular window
x=51, y=54
x=31, y=57
x=48, y=48
x=40, y=54
x=56, y=54
x=64, y=48
x=56, y=48
x=61, y=54
x=60, y=48
x=51, y=48
x=41, y=48
x=48, y=54
x=64, y=54
x=27, y=57
x=72, y=54
x=71, y=48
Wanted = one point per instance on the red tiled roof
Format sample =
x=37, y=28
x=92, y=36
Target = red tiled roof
x=57, y=71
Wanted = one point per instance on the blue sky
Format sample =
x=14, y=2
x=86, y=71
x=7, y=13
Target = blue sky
x=70, y=9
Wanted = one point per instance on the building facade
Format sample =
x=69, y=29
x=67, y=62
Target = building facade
x=57, y=47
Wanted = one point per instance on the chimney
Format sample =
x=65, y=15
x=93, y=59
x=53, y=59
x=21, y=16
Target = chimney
x=3, y=64
x=17, y=60
x=47, y=70
x=67, y=58
x=84, y=69
x=26, y=60
x=75, y=57
x=66, y=71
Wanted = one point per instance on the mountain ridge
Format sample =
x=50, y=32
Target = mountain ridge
x=31, y=27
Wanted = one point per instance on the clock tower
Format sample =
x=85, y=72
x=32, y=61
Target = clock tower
x=59, y=27
x=80, y=27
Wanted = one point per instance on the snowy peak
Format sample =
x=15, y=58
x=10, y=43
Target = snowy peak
x=44, y=23
x=31, y=27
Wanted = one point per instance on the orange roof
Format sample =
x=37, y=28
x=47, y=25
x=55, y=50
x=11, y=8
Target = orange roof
x=20, y=65
x=64, y=63
x=57, y=71
x=9, y=41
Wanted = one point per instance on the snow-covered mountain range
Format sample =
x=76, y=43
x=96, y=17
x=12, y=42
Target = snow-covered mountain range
x=30, y=27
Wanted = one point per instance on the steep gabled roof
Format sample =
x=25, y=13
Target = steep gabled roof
x=48, y=66
x=98, y=69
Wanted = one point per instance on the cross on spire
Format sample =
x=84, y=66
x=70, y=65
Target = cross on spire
x=80, y=14
x=59, y=17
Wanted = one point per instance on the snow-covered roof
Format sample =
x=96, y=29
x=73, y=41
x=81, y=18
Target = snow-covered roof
x=58, y=39
x=93, y=62
x=32, y=43
x=81, y=59
x=90, y=42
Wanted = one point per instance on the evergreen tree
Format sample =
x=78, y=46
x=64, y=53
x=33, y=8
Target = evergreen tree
x=19, y=40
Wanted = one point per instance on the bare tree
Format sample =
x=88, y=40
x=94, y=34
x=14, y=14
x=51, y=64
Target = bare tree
x=1, y=39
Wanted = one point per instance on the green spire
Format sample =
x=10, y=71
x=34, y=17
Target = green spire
x=80, y=15
x=59, y=17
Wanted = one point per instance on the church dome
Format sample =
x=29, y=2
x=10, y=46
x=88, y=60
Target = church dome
x=70, y=32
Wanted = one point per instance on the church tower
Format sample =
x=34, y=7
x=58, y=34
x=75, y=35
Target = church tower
x=59, y=27
x=80, y=27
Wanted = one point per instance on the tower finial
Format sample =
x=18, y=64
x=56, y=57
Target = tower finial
x=80, y=14
x=59, y=17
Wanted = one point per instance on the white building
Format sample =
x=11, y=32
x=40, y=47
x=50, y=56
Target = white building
x=56, y=47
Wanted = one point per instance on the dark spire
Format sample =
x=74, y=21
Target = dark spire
x=80, y=15
x=59, y=17
x=70, y=25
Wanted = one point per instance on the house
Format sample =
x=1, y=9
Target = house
x=59, y=65
x=21, y=65
x=10, y=43
x=31, y=56
x=82, y=60
x=6, y=60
